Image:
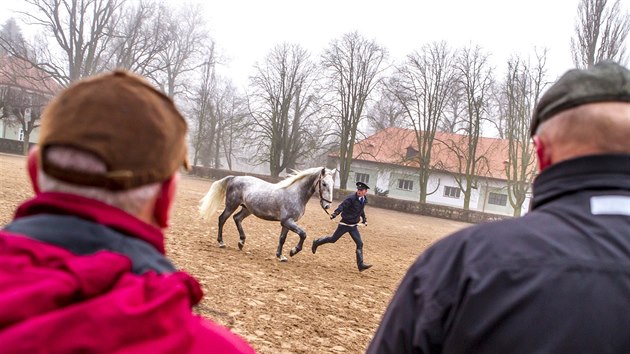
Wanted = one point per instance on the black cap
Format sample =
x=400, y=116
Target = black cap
x=361, y=185
x=604, y=82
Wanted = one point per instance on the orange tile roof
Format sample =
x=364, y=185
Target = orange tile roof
x=391, y=146
x=15, y=72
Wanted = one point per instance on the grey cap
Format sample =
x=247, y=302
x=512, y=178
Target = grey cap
x=604, y=82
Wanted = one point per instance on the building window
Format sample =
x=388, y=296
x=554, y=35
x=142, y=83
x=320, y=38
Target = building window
x=411, y=153
x=497, y=199
x=362, y=177
x=405, y=184
x=451, y=192
x=21, y=135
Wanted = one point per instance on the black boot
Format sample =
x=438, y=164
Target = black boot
x=315, y=245
x=362, y=266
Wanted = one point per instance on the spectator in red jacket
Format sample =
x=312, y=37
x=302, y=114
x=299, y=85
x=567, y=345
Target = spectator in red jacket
x=83, y=262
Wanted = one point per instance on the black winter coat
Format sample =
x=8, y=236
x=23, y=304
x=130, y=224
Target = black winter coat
x=554, y=281
x=351, y=209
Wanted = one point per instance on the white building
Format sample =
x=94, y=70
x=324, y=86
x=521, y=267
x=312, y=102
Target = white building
x=387, y=162
x=12, y=129
x=24, y=91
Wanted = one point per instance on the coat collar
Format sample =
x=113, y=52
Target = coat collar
x=93, y=210
x=589, y=172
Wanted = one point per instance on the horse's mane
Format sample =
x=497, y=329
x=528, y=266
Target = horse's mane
x=297, y=176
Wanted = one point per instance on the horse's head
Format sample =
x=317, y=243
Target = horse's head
x=326, y=184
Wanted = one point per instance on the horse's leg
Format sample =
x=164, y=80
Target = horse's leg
x=238, y=218
x=222, y=218
x=283, y=237
x=291, y=225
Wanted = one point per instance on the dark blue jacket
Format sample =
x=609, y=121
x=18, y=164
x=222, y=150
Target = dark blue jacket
x=351, y=209
x=84, y=237
x=554, y=281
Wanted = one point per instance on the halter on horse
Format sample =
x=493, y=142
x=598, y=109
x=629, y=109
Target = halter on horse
x=284, y=201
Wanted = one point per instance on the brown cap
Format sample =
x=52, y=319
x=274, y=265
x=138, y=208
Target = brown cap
x=120, y=118
x=604, y=82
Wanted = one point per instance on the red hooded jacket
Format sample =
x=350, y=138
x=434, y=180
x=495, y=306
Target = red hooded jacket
x=56, y=301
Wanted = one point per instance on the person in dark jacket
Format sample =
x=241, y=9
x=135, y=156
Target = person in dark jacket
x=351, y=209
x=84, y=266
x=556, y=280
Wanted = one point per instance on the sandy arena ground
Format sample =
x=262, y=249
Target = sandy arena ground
x=310, y=304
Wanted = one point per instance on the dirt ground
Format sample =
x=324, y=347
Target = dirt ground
x=312, y=303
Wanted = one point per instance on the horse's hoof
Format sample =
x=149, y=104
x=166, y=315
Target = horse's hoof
x=240, y=245
x=293, y=252
x=221, y=245
x=282, y=258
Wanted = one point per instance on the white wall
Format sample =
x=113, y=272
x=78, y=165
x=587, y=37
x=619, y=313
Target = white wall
x=446, y=180
x=12, y=131
x=386, y=178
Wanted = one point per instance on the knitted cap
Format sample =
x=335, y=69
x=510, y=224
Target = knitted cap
x=604, y=82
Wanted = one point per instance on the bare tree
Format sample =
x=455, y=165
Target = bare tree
x=386, y=112
x=81, y=31
x=281, y=105
x=454, y=113
x=184, y=50
x=233, y=108
x=11, y=33
x=521, y=90
x=353, y=65
x=218, y=115
x=24, y=89
x=27, y=109
x=228, y=122
x=202, y=110
x=474, y=80
x=142, y=35
x=423, y=86
x=148, y=37
x=600, y=33
x=24, y=92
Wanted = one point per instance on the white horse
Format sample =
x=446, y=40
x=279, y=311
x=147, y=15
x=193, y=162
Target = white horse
x=284, y=201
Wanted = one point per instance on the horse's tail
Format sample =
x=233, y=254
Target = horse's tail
x=212, y=200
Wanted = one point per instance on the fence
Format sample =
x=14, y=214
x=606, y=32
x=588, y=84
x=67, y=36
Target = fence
x=12, y=146
x=438, y=211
